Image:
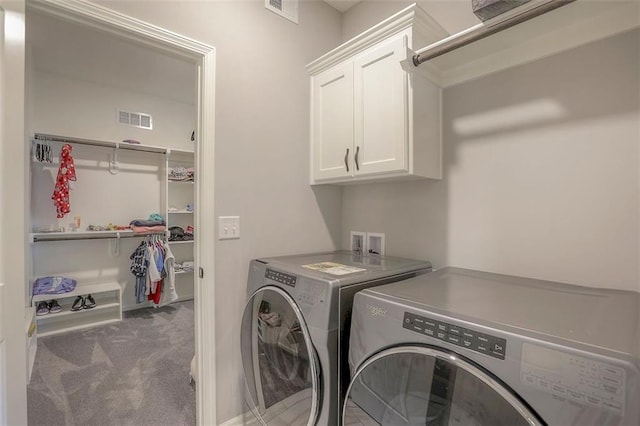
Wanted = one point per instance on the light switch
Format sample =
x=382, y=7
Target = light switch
x=228, y=227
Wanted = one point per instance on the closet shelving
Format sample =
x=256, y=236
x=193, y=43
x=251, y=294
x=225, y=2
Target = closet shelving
x=108, y=309
x=31, y=330
x=180, y=194
x=108, y=294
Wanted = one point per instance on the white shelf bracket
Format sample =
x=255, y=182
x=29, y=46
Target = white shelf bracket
x=114, y=166
x=115, y=245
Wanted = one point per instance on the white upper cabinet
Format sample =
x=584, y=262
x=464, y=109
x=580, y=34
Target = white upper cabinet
x=333, y=121
x=370, y=119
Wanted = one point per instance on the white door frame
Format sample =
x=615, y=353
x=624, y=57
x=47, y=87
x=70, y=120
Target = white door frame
x=203, y=56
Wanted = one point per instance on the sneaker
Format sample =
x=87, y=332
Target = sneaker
x=89, y=302
x=54, y=307
x=78, y=304
x=42, y=308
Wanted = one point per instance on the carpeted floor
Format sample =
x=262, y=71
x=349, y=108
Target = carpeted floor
x=135, y=372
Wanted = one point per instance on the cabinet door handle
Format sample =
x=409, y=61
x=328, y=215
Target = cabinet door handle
x=356, y=158
x=346, y=159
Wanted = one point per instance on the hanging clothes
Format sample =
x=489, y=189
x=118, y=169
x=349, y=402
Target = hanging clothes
x=169, y=293
x=152, y=263
x=66, y=173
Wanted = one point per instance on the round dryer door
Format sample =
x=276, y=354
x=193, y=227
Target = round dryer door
x=425, y=386
x=280, y=365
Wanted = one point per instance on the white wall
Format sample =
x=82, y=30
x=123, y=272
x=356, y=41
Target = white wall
x=262, y=145
x=541, y=172
x=71, y=107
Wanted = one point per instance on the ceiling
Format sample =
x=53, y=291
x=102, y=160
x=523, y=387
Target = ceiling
x=342, y=5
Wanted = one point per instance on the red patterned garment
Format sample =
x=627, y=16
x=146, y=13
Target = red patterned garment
x=66, y=173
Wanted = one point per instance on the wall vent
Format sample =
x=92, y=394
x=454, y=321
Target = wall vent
x=285, y=8
x=135, y=119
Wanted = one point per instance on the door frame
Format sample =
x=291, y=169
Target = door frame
x=204, y=57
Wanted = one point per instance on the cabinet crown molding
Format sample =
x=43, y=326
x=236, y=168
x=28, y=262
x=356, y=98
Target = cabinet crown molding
x=412, y=17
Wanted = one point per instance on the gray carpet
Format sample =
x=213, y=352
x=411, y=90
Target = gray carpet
x=135, y=372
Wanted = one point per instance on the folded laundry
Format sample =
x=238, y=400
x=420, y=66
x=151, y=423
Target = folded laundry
x=148, y=229
x=54, y=285
x=147, y=222
x=176, y=233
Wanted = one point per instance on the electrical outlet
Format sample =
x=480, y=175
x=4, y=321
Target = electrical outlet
x=228, y=227
x=375, y=243
x=358, y=242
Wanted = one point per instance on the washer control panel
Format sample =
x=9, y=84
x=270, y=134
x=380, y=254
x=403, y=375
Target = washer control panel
x=574, y=379
x=464, y=337
x=281, y=277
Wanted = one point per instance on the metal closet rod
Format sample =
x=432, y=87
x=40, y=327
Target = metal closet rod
x=114, y=236
x=439, y=49
x=105, y=144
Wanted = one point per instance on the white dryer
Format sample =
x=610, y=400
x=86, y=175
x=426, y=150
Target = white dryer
x=295, y=331
x=461, y=347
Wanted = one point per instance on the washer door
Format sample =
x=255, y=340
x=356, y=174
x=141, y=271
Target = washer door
x=425, y=386
x=280, y=365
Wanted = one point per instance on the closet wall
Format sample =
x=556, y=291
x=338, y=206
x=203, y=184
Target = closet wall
x=541, y=171
x=78, y=81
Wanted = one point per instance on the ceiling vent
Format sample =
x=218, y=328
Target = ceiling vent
x=285, y=8
x=135, y=119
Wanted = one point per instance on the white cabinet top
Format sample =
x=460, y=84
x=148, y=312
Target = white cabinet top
x=412, y=17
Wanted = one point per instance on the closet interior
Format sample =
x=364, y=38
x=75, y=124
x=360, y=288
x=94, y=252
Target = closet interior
x=126, y=115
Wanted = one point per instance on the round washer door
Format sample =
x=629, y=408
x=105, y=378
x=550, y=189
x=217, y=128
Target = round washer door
x=280, y=365
x=425, y=386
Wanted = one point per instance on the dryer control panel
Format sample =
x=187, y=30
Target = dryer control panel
x=464, y=337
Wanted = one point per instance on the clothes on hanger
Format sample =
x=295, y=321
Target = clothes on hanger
x=66, y=173
x=152, y=263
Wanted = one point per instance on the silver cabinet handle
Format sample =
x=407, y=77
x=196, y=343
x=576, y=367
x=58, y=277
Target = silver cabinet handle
x=356, y=158
x=346, y=159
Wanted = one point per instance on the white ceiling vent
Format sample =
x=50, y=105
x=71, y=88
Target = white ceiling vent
x=286, y=8
x=135, y=119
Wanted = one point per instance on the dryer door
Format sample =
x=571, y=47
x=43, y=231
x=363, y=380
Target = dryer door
x=280, y=365
x=425, y=386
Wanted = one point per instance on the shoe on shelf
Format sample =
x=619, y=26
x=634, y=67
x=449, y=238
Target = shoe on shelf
x=89, y=302
x=78, y=304
x=54, y=307
x=42, y=308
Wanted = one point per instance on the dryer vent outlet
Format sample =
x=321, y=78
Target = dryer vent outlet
x=285, y=8
x=375, y=243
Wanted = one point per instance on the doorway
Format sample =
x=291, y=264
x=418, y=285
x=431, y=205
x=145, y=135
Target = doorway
x=57, y=84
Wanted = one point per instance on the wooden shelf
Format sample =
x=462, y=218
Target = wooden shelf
x=181, y=242
x=180, y=212
x=566, y=27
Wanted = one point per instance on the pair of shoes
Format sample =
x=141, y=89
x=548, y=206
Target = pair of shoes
x=83, y=303
x=45, y=308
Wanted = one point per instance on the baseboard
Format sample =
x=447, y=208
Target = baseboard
x=240, y=420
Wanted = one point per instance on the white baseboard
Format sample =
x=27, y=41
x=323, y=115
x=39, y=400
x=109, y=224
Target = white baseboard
x=246, y=419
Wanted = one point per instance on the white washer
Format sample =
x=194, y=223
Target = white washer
x=472, y=348
x=295, y=331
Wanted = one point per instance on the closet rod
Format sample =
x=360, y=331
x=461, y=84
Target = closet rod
x=480, y=31
x=69, y=237
x=105, y=144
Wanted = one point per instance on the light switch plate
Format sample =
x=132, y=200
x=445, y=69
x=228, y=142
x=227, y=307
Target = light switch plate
x=228, y=227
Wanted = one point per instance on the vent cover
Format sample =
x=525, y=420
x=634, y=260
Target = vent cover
x=285, y=8
x=135, y=119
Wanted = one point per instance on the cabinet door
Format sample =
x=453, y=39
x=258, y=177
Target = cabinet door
x=381, y=108
x=332, y=121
